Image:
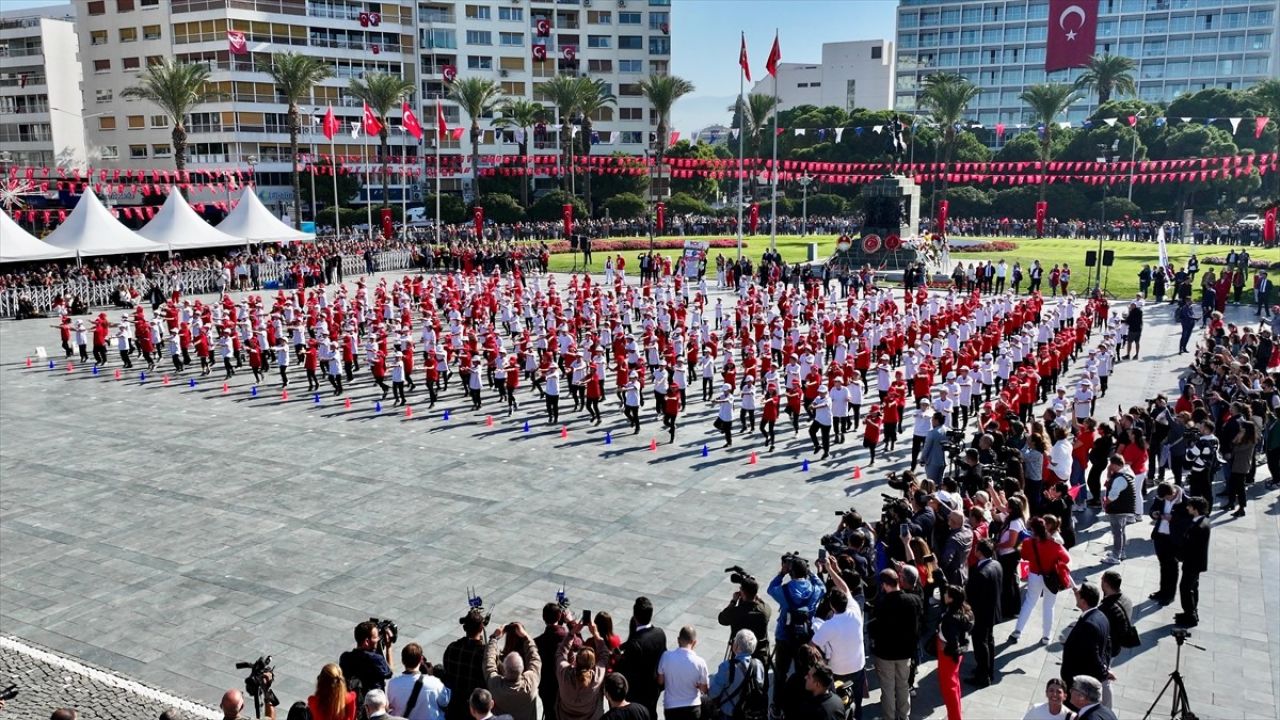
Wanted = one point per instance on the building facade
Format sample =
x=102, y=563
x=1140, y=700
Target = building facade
x=619, y=41
x=40, y=106
x=1180, y=46
x=854, y=74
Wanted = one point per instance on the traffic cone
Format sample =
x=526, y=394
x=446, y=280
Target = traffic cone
x=653, y=445
x=857, y=473
x=164, y=380
x=446, y=416
x=526, y=426
x=71, y=368
x=346, y=403
x=316, y=398
x=254, y=391
x=52, y=365
x=488, y=421
x=95, y=367
x=564, y=431
x=284, y=395
x=225, y=388
x=608, y=438
x=29, y=364
x=752, y=460
x=408, y=411
x=117, y=373
x=191, y=382
x=804, y=466
x=705, y=451
x=142, y=377
x=377, y=406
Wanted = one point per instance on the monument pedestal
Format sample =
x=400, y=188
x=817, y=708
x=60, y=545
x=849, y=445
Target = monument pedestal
x=891, y=206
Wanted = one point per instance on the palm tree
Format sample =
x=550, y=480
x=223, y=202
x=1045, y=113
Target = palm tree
x=663, y=91
x=382, y=93
x=754, y=118
x=478, y=97
x=1268, y=91
x=1108, y=74
x=565, y=93
x=177, y=88
x=1047, y=102
x=295, y=75
x=521, y=114
x=594, y=95
x=947, y=96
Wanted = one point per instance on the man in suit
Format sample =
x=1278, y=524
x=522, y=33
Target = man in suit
x=1262, y=295
x=1087, y=649
x=640, y=655
x=983, y=589
x=1195, y=560
x=1086, y=695
x=933, y=454
x=1169, y=513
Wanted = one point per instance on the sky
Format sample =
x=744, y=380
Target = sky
x=705, y=36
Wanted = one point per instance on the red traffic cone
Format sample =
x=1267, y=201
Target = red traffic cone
x=284, y=395
x=408, y=411
x=564, y=431
x=347, y=404
x=166, y=380
x=28, y=362
x=117, y=373
x=857, y=473
x=653, y=445
x=752, y=460
x=488, y=421
x=225, y=388
x=70, y=367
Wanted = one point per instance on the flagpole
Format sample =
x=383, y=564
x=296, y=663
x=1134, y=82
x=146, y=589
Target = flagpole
x=368, y=180
x=742, y=119
x=333, y=167
x=311, y=162
x=773, y=193
x=439, y=179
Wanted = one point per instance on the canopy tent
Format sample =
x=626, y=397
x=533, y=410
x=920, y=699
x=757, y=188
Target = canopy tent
x=91, y=230
x=252, y=222
x=178, y=227
x=18, y=245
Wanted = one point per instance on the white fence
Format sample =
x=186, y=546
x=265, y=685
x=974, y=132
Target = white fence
x=191, y=282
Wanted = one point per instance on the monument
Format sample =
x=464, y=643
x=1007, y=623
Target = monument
x=887, y=240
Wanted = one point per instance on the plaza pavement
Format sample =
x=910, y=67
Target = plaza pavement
x=166, y=532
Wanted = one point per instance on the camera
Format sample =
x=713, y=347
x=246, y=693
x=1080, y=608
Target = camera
x=562, y=599
x=258, y=684
x=475, y=607
x=899, y=481
x=739, y=576
x=9, y=692
x=388, y=632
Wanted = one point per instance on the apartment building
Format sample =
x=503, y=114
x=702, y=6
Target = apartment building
x=852, y=74
x=40, y=108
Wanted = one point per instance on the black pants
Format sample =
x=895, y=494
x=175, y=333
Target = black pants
x=553, y=409
x=917, y=444
x=815, y=429
x=100, y=354
x=1189, y=593
x=1167, y=555
x=669, y=422
x=124, y=357
x=397, y=392
x=1235, y=489
x=1011, y=598
x=984, y=651
x=768, y=428
x=632, y=413
x=693, y=712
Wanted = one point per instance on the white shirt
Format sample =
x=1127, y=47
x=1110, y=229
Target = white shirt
x=1060, y=459
x=840, y=638
x=682, y=671
x=1041, y=712
x=434, y=696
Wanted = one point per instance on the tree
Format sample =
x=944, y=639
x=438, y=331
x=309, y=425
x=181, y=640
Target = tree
x=550, y=207
x=947, y=97
x=1108, y=74
x=349, y=185
x=295, y=75
x=1267, y=93
x=968, y=202
x=685, y=204
x=178, y=88
x=594, y=96
x=703, y=188
x=626, y=206
x=501, y=208
x=626, y=181
x=1046, y=102
x=662, y=92
x=826, y=204
x=382, y=93
x=751, y=116
x=563, y=92
x=452, y=209
x=477, y=97
x=521, y=114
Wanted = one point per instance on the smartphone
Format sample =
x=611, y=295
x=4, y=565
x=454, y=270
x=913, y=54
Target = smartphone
x=822, y=554
x=904, y=529
x=586, y=617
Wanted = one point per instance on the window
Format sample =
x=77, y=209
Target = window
x=599, y=41
x=630, y=66
x=98, y=37
x=103, y=95
x=1183, y=23
x=630, y=42
x=877, y=52
x=513, y=89
x=850, y=92
x=633, y=137
x=509, y=13
x=660, y=45
x=107, y=122
x=97, y=7
x=150, y=32
x=478, y=12
x=124, y=6
x=599, y=17
x=154, y=60
x=600, y=66
x=130, y=63
x=511, y=39
x=971, y=15
x=128, y=34
x=630, y=90
x=110, y=152
x=149, y=3
x=631, y=113
x=137, y=152
x=102, y=65
x=161, y=150
x=440, y=40
x=1259, y=41
x=658, y=19
x=1014, y=34
x=511, y=63
x=159, y=121
x=1261, y=18
x=950, y=17
x=629, y=18
x=137, y=122
x=479, y=62
x=479, y=37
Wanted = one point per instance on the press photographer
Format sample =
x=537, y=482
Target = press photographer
x=368, y=665
x=258, y=685
x=463, y=661
x=797, y=592
x=746, y=610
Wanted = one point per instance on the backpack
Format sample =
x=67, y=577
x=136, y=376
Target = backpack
x=750, y=698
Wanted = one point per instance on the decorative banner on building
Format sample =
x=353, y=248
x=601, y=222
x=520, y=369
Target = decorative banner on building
x=540, y=53
x=1073, y=28
x=569, y=53
x=542, y=26
x=236, y=43
x=450, y=72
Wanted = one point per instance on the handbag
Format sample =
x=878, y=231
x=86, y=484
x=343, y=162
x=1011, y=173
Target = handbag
x=1052, y=577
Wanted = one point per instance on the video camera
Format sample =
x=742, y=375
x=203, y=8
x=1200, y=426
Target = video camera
x=740, y=576
x=954, y=444
x=388, y=632
x=475, y=606
x=898, y=481
x=9, y=692
x=562, y=599
x=258, y=683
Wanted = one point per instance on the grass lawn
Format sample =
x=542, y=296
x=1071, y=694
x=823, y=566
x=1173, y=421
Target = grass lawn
x=1122, y=281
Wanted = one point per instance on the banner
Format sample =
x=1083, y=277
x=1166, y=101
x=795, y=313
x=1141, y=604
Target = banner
x=236, y=43
x=1042, y=212
x=754, y=217
x=694, y=252
x=388, y=227
x=567, y=210
x=662, y=216
x=1269, y=228
x=479, y=218
x=1073, y=29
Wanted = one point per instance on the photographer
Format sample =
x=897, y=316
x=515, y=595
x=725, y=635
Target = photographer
x=368, y=666
x=840, y=637
x=747, y=611
x=416, y=694
x=547, y=642
x=797, y=592
x=969, y=474
x=514, y=682
x=462, y=666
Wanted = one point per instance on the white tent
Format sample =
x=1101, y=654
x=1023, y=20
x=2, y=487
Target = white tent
x=18, y=245
x=91, y=229
x=177, y=226
x=250, y=221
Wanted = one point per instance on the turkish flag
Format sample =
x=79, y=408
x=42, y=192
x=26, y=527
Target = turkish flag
x=1269, y=228
x=442, y=128
x=775, y=56
x=330, y=125
x=479, y=219
x=1042, y=212
x=742, y=59
x=372, y=126
x=568, y=219
x=662, y=216
x=944, y=207
x=754, y=217
x=1073, y=29
x=236, y=43
x=539, y=53
x=410, y=122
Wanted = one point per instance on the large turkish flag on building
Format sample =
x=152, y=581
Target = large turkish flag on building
x=1073, y=29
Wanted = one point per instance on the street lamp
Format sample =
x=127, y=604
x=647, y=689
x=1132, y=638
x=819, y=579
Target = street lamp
x=1106, y=153
x=253, y=170
x=804, y=203
x=1133, y=154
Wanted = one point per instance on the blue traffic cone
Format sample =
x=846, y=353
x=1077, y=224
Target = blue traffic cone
x=253, y=391
x=526, y=426
x=608, y=438
x=705, y=452
x=51, y=364
x=804, y=466
x=446, y=415
x=142, y=377
x=377, y=406
x=95, y=369
x=316, y=398
x=191, y=382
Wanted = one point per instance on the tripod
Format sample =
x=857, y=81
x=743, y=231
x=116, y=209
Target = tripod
x=1181, y=708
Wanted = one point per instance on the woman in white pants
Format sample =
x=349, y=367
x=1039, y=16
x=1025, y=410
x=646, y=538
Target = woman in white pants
x=1045, y=556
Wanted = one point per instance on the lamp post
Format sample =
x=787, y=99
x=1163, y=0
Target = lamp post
x=1133, y=153
x=1105, y=155
x=804, y=181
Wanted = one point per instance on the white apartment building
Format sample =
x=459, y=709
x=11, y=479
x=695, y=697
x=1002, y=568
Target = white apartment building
x=40, y=108
x=853, y=74
x=620, y=41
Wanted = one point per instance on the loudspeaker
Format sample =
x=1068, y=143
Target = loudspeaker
x=1108, y=258
x=1090, y=258
x=573, y=243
